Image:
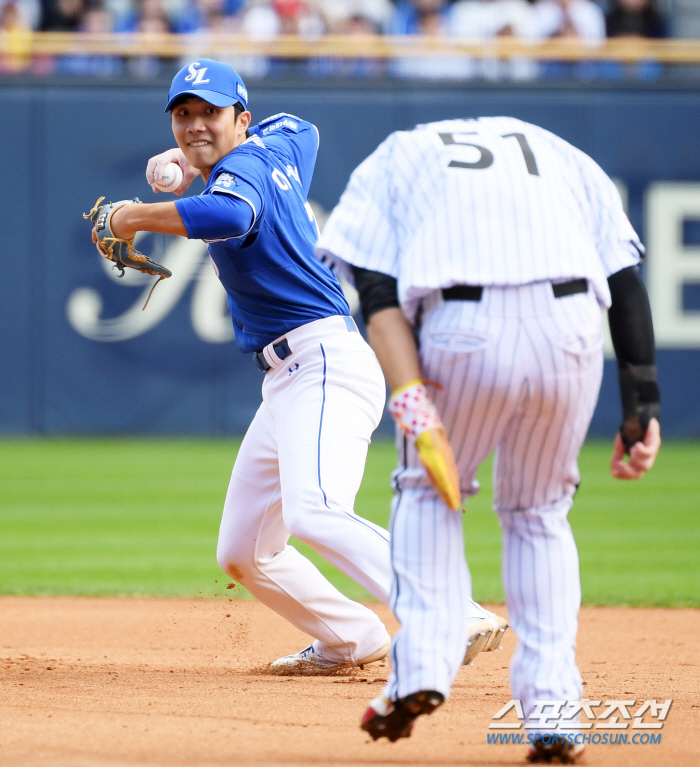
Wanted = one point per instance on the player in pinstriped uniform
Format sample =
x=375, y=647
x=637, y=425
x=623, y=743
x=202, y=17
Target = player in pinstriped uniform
x=500, y=242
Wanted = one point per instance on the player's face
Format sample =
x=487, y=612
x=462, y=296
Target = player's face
x=206, y=133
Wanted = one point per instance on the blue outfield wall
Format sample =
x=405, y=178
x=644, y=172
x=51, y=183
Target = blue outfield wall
x=78, y=355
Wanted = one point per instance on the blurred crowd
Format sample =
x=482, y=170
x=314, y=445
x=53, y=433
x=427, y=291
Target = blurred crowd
x=588, y=20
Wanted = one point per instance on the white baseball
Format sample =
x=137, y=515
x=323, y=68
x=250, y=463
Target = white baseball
x=171, y=178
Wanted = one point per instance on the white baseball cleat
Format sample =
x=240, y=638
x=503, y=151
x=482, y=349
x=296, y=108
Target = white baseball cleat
x=485, y=635
x=310, y=662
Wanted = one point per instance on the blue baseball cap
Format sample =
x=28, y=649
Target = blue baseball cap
x=215, y=82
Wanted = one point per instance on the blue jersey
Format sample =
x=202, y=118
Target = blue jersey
x=273, y=280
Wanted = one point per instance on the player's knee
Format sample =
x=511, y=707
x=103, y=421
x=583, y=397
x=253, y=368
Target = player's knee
x=299, y=529
x=235, y=558
x=305, y=527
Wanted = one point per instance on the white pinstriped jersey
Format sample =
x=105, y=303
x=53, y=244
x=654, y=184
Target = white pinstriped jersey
x=493, y=201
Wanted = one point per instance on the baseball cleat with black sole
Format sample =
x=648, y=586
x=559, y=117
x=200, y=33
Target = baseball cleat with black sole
x=394, y=719
x=550, y=750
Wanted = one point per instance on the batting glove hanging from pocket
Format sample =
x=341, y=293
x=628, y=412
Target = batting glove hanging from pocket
x=416, y=415
x=117, y=249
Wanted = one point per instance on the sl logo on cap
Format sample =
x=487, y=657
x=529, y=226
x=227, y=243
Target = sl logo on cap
x=196, y=76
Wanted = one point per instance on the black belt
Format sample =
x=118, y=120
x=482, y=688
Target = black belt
x=570, y=288
x=281, y=349
x=474, y=292
x=463, y=293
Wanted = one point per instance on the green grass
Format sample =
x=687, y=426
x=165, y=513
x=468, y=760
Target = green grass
x=639, y=542
x=73, y=522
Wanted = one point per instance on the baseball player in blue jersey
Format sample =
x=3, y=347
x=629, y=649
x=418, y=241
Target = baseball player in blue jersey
x=483, y=251
x=302, y=459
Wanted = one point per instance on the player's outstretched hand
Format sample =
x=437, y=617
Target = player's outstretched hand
x=642, y=454
x=154, y=169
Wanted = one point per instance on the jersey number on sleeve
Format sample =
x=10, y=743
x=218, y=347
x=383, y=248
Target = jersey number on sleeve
x=486, y=158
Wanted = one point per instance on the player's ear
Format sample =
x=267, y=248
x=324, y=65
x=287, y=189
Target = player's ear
x=244, y=119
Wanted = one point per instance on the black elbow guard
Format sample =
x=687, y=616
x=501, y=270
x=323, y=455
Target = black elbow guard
x=377, y=291
x=640, y=401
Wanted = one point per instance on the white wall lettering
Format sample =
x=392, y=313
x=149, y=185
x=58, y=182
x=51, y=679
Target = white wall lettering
x=671, y=263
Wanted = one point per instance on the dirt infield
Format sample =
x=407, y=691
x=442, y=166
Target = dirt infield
x=168, y=682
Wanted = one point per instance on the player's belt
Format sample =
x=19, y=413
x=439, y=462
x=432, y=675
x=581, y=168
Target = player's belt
x=281, y=349
x=463, y=293
x=474, y=292
x=570, y=288
x=273, y=354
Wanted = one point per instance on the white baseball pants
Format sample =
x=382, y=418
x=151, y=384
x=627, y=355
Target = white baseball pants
x=297, y=473
x=518, y=372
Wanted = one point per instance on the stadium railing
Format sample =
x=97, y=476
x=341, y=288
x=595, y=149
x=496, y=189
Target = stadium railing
x=624, y=50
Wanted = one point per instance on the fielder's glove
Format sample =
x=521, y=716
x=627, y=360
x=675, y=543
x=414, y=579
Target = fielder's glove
x=117, y=249
x=416, y=415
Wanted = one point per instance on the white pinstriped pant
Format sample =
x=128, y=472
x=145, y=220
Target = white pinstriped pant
x=518, y=372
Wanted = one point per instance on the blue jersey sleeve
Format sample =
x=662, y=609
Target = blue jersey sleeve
x=216, y=216
x=239, y=175
x=232, y=202
x=294, y=138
